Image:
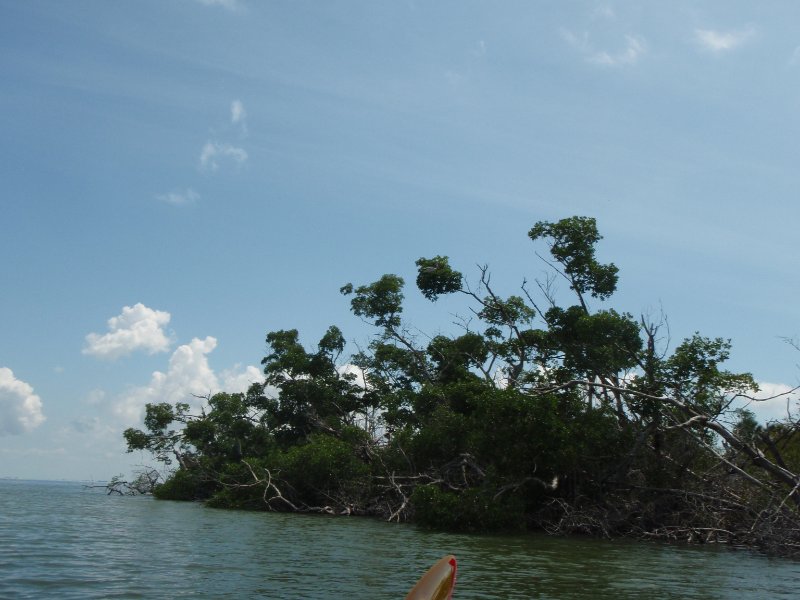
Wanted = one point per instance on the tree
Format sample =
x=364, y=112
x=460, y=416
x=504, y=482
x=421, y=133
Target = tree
x=536, y=413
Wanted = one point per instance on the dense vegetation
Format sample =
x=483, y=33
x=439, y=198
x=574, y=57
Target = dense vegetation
x=535, y=415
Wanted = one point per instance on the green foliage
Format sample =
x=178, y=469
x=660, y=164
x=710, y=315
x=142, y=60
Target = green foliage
x=435, y=277
x=442, y=437
x=237, y=490
x=485, y=429
x=506, y=312
x=693, y=373
x=320, y=470
x=746, y=427
x=136, y=439
x=572, y=244
x=601, y=343
x=781, y=440
x=381, y=301
x=159, y=416
x=476, y=509
x=314, y=396
x=455, y=358
x=182, y=485
x=159, y=439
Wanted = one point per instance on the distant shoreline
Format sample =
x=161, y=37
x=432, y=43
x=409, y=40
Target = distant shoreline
x=78, y=481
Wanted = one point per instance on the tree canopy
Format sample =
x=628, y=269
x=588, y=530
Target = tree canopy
x=534, y=414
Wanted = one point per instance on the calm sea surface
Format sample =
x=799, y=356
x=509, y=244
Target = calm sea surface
x=59, y=540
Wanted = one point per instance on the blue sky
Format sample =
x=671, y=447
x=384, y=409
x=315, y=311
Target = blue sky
x=181, y=176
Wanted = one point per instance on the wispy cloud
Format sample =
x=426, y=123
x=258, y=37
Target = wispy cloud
x=453, y=77
x=239, y=116
x=604, y=12
x=20, y=408
x=186, y=197
x=579, y=42
x=635, y=48
x=214, y=152
x=233, y=5
x=24, y=452
x=718, y=42
x=237, y=112
x=86, y=424
x=95, y=397
x=136, y=328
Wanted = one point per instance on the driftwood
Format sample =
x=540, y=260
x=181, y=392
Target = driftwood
x=145, y=481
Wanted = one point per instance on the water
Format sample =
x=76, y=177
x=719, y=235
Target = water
x=59, y=540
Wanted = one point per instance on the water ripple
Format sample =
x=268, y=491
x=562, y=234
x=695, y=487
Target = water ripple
x=59, y=540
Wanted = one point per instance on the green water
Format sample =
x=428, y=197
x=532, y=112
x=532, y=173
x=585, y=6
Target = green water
x=58, y=540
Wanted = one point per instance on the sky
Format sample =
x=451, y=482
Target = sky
x=179, y=177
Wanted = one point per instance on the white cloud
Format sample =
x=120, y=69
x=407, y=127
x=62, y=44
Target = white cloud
x=722, y=41
x=188, y=376
x=86, y=424
x=579, y=42
x=26, y=452
x=95, y=397
x=213, y=152
x=239, y=116
x=782, y=400
x=351, y=369
x=227, y=4
x=635, y=48
x=187, y=197
x=604, y=12
x=235, y=381
x=453, y=78
x=238, y=113
x=20, y=408
x=137, y=328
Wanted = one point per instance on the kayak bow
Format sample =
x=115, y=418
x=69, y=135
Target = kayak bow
x=437, y=583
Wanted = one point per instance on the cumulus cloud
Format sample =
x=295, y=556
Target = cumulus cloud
x=635, y=48
x=20, y=408
x=215, y=152
x=351, y=369
x=722, y=41
x=186, y=197
x=774, y=401
x=235, y=380
x=137, y=328
x=188, y=376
